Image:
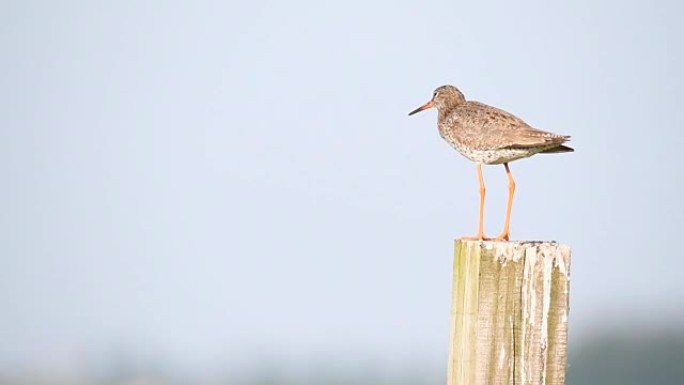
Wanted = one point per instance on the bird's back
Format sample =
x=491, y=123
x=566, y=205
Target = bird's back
x=491, y=135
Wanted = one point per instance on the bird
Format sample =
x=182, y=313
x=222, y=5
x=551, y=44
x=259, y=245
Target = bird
x=489, y=135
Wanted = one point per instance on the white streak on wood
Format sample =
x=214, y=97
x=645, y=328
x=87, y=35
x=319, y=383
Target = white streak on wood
x=463, y=352
x=502, y=357
x=528, y=284
x=549, y=261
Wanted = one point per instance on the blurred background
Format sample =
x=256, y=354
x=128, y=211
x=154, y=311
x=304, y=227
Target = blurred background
x=217, y=192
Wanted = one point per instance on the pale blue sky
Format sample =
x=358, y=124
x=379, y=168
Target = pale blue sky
x=214, y=182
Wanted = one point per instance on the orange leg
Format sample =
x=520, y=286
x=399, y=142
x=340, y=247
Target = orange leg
x=480, y=228
x=505, y=234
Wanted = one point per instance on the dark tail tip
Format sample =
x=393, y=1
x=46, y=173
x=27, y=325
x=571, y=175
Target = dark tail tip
x=559, y=149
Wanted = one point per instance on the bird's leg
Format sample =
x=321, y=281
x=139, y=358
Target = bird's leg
x=480, y=228
x=507, y=222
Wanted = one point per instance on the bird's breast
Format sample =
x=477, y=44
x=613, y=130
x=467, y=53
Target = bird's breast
x=450, y=133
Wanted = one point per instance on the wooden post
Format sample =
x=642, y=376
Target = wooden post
x=509, y=316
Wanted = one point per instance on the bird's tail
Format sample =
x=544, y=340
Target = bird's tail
x=558, y=149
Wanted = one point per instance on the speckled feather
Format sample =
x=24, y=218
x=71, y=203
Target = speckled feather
x=487, y=134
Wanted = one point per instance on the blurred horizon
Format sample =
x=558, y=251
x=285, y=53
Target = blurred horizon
x=607, y=357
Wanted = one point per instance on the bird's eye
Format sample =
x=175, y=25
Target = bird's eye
x=434, y=95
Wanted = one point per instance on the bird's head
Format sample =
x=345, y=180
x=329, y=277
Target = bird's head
x=443, y=99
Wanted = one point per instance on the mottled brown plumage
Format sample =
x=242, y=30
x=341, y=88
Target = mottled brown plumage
x=489, y=135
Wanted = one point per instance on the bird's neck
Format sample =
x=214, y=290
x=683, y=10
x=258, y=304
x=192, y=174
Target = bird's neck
x=444, y=112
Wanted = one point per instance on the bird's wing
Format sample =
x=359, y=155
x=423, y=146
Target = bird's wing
x=506, y=130
x=526, y=136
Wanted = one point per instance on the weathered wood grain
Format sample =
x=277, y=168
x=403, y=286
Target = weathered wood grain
x=509, y=317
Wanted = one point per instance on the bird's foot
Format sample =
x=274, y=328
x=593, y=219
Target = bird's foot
x=504, y=236
x=478, y=237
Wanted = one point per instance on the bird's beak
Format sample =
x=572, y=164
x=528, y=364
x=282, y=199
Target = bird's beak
x=421, y=108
